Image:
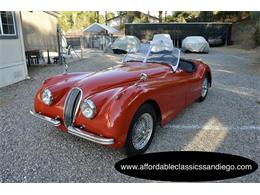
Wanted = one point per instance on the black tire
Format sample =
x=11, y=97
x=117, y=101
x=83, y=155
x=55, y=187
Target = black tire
x=203, y=97
x=129, y=146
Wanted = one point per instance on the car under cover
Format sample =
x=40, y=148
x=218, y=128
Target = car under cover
x=195, y=44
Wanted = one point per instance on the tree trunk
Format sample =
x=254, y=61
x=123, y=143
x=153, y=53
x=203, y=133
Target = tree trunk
x=97, y=16
x=147, y=17
x=120, y=20
x=106, y=17
x=74, y=20
x=160, y=16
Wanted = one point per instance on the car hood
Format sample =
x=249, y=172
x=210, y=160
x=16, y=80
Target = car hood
x=120, y=75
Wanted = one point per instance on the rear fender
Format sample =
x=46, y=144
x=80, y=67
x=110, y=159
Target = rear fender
x=203, y=69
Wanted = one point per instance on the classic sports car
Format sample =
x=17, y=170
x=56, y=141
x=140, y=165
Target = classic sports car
x=122, y=105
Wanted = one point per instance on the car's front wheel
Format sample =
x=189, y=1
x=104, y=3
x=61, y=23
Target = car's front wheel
x=141, y=130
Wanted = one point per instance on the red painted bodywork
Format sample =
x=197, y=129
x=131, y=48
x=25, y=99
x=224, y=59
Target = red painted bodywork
x=117, y=93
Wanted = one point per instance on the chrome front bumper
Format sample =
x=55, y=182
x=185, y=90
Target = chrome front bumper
x=45, y=118
x=90, y=136
x=77, y=132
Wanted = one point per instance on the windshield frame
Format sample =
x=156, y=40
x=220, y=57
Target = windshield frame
x=149, y=53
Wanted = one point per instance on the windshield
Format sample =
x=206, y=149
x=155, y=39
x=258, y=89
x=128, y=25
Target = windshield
x=150, y=53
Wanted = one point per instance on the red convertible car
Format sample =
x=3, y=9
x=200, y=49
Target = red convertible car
x=122, y=105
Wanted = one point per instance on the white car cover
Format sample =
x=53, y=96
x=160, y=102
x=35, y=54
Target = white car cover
x=127, y=43
x=162, y=42
x=195, y=44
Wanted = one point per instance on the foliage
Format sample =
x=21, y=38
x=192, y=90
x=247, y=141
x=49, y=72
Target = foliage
x=78, y=20
x=182, y=16
x=110, y=15
x=132, y=17
x=256, y=16
x=160, y=16
x=257, y=36
x=207, y=16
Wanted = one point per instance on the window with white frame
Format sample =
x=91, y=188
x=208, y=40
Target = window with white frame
x=7, y=24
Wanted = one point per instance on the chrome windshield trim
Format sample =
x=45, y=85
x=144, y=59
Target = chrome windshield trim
x=55, y=122
x=174, y=68
x=149, y=51
x=90, y=136
x=147, y=54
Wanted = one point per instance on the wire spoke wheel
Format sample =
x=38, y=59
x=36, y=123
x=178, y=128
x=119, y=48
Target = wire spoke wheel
x=142, y=131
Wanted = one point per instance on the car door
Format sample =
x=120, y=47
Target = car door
x=192, y=81
x=184, y=80
x=175, y=93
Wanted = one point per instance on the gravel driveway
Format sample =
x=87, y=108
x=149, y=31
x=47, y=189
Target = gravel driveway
x=32, y=150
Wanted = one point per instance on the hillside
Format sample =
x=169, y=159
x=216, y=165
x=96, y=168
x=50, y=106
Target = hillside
x=245, y=34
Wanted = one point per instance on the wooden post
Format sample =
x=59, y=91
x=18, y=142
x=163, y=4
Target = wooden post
x=48, y=57
x=81, y=46
x=59, y=45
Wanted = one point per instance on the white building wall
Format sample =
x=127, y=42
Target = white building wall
x=39, y=31
x=13, y=66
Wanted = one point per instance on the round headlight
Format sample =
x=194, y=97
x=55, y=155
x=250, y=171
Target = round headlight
x=47, y=97
x=88, y=109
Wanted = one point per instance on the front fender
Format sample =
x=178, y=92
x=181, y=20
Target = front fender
x=123, y=107
x=115, y=110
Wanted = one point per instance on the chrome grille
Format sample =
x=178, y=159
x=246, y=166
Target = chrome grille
x=71, y=106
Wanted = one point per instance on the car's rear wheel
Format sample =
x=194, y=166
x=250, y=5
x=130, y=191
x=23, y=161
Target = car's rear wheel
x=141, y=130
x=204, y=89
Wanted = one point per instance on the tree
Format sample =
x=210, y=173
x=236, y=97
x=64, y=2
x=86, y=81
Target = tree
x=183, y=16
x=160, y=16
x=110, y=15
x=106, y=17
x=121, y=19
x=74, y=18
x=78, y=20
x=97, y=16
x=206, y=16
x=132, y=16
x=147, y=17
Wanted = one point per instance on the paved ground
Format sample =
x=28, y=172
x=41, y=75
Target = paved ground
x=227, y=121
